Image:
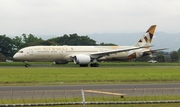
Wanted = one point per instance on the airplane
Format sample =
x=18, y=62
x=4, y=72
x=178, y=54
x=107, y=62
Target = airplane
x=83, y=55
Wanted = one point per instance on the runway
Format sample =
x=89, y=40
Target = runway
x=88, y=87
x=75, y=91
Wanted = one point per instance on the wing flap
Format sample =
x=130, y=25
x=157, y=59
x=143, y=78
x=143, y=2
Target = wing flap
x=107, y=53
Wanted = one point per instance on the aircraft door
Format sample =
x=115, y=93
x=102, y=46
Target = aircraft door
x=30, y=52
x=62, y=50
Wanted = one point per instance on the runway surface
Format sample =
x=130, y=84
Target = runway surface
x=87, y=87
x=73, y=91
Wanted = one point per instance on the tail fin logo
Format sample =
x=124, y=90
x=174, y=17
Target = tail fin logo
x=146, y=39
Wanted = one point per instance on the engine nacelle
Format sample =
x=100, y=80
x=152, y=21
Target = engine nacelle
x=138, y=54
x=82, y=59
x=134, y=54
x=60, y=62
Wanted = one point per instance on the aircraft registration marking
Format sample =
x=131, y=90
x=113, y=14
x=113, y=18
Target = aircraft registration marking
x=100, y=92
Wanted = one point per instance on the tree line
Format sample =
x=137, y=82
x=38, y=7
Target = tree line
x=9, y=46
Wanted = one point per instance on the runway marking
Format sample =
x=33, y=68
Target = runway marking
x=100, y=92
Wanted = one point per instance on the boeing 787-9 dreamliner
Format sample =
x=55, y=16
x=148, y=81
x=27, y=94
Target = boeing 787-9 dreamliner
x=83, y=55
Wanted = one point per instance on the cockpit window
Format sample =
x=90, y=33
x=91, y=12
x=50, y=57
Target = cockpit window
x=20, y=52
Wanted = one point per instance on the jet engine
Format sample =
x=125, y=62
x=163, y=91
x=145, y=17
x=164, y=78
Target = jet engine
x=134, y=54
x=82, y=59
x=60, y=62
x=138, y=54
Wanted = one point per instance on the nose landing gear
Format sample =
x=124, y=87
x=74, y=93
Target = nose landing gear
x=26, y=64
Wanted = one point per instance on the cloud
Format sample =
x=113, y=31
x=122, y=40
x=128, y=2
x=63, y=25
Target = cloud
x=87, y=16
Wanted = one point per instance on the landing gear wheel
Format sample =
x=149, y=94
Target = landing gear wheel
x=84, y=65
x=94, y=65
x=26, y=65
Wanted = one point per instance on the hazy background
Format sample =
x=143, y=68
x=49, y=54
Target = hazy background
x=121, y=22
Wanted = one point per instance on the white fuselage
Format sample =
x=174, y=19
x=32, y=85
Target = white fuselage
x=65, y=53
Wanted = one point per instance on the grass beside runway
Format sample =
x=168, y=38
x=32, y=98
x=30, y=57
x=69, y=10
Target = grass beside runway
x=76, y=75
x=71, y=64
x=98, y=99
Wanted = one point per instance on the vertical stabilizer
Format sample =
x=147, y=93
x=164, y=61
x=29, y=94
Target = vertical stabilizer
x=146, y=39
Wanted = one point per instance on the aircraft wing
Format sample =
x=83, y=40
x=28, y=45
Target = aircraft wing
x=107, y=53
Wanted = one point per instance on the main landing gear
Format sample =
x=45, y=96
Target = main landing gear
x=83, y=65
x=86, y=65
x=94, y=65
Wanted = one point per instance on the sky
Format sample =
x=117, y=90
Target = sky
x=84, y=17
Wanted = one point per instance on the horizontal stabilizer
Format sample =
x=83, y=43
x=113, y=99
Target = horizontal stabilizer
x=150, y=52
x=156, y=50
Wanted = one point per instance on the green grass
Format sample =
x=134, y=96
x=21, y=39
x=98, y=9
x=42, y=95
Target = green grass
x=121, y=105
x=77, y=75
x=95, y=99
x=89, y=99
x=102, y=64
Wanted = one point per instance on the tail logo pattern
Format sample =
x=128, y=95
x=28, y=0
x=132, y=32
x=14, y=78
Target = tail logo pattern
x=146, y=39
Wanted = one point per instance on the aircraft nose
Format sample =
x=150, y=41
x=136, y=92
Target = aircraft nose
x=17, y=57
